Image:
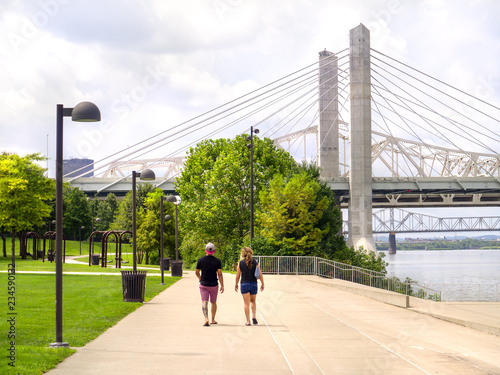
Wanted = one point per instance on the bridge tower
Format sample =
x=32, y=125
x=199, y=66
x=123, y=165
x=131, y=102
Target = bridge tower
x=360, y=153
x=328, y=130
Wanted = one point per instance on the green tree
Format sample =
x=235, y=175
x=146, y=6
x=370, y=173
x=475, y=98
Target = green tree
x=24, y=193
x=106, y=210
x=215, y=189
x=290, y=213
x=76, y=210
x=123, y=214
x=148, y=232
x=333, y=240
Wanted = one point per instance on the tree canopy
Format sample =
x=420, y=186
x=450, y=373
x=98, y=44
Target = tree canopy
x=76, y=210
x=25, y=192
x=148, y=233
x=215, y=188
x=290, y=212
x=122, y=219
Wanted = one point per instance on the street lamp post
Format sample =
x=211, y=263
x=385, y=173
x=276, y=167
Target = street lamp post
x=82, y=227
x=250, y=146
x=83, y=112
x=94, y=220
x=176, y=200
x=162, y=218
x=146, y=175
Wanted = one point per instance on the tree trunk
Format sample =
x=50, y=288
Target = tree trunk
x=14, y=251
x=4, y=240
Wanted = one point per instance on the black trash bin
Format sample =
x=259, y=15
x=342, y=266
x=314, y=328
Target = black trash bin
x=166, y=264
x=95, y=259
x=177, y=268
x=134, y=285
x=39, y=254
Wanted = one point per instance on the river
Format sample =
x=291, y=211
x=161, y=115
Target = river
x=437, y=267
x=445, y=266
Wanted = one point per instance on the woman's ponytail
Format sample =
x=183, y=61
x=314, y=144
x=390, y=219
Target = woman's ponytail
x=246, y=253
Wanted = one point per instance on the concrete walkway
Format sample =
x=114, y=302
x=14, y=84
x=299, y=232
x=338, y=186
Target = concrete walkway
x=306, y=326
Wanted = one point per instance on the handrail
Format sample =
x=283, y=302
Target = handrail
x=309, y=265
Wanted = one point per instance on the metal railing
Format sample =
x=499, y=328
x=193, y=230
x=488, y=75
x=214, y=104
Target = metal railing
x=308, y=265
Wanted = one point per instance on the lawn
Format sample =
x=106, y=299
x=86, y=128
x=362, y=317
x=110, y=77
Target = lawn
x=91, y=304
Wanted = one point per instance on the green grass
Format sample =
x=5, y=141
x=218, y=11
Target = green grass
x=91, y=304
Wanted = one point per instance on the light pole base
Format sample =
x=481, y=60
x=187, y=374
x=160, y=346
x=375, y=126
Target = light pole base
x=59, y=345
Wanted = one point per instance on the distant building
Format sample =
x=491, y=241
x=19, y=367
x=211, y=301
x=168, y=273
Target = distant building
x=72, y=165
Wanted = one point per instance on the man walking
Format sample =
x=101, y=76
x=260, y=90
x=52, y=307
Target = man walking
x=209, y=272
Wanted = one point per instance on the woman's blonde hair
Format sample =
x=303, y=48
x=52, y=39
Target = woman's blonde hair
x=246, y=253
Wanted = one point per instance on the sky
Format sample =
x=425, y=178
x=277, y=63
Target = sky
x=152, y=64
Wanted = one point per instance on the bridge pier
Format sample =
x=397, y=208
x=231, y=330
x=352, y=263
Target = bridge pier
x=328, y=129
x=360, y=130
x=392, y=243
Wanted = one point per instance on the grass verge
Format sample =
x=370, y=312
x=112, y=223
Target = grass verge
x=91, y=304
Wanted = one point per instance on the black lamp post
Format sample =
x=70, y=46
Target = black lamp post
x=53, y=222
x=162, y=218
x=82, y=227
x=176, y=200
x=83, y=112
x=146, y=175
x=94, y=220
x=250, y=146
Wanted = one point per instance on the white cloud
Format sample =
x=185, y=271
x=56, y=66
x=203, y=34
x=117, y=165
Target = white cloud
x=152, y=65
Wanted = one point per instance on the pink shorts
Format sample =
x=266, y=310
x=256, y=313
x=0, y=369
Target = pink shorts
x=207, y=291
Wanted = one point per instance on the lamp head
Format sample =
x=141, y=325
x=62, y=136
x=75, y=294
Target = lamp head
x=86, y=112
x=147, y=175
x=175, y=199
x=168, y=217
x=256, y=131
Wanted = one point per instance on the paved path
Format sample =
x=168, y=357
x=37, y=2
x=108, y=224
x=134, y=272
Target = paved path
x=306, y=326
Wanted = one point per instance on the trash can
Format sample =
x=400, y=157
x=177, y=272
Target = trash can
x=134, y=285
x=177, y=268
x=39, y=254
x=166, y=264
x=95, y=259
x=51, y=255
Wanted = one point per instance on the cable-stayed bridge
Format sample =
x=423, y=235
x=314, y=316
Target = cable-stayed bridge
x=384, y=134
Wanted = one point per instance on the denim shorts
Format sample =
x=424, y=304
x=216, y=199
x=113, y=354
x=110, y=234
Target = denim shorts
x=249, y=288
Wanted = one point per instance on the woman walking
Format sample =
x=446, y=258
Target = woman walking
x=247, y=272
